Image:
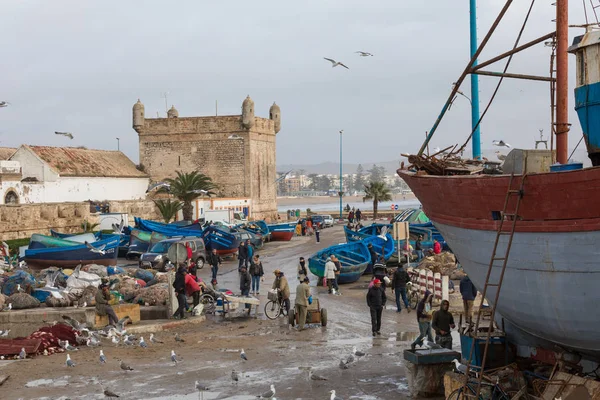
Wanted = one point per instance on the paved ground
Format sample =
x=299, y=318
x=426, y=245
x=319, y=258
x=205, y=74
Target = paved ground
x=277, y=354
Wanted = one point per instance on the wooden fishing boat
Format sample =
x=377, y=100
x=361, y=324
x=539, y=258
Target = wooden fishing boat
x=38, y=241
x=353, y=256
x=225, y=243
x=282, y=232
x=381, y=245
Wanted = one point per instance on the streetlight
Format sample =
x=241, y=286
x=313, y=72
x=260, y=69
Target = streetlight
x=118, y=144
x=341, y=193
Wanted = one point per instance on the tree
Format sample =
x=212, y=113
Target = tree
x=168, y=209
x=378, y=192
x=359, y=179
x=187, y=187
x=376, y=174
x=314, y=178
x=88, y=226
x=323, y=183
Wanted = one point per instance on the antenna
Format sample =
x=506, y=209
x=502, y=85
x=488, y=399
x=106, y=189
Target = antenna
x=545, y=142
x=165, y=96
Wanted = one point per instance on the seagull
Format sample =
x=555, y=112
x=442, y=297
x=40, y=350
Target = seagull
x=358, y=353
x=102, y=357
x=19, y=288
x=78, y=326
x=173, y=357
x=268, y=394
x=350, y=359
x=8, y=308
x=92, y=342
x=335, y=63
x=4, y=333
x=153, y=339
x=4, y=103
x=159, y=185
x=234, y=375
x=333, y=396
x=383, y=233
x=124, y=366
x=178, y=338
x=431, y=345
x=22, y=354
x=109, y=393
x=315, y=377
x=343, y=365
x=66, y=134
x=115, y=340
x=459, y=367
x=500, y=143
x=200, y=387
x=69, y=362
x=68, y=347
x=364, y=54
x=128, y=341
x=500, y=156
x=118, y=229
x=243, y=355
x=99, y=250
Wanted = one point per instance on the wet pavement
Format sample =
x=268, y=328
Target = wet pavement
x=277, y=354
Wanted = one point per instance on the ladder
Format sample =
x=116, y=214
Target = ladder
x=511, y=217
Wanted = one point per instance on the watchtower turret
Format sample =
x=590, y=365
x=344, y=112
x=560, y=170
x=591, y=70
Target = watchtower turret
x=172, y=113
x=138, y=116
x=275, y=116
x=248, y=113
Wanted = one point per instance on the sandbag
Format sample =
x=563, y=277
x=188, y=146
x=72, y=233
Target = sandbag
x=20, y=277
x=21, y=301
x=99, y=270
x=154, y=295
x=144, y=274
x=79, y=280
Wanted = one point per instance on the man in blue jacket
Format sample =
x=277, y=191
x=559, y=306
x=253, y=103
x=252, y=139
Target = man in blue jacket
x=468, y=292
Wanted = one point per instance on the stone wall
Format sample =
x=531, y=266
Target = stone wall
x=23, y=220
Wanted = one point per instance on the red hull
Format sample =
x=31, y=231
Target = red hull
x=227, y=252
x=552, y=202
x=282, y=236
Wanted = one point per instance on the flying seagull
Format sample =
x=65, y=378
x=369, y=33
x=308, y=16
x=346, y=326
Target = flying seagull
x=335, y=63
x=315, y=377
x=4, y=333
x=268, y=394
x=22, y=354
x=69, y=362
x=500, y=143
x=243, y=355
x=102, y=357
x=364, y=54
x=383, y=233
x=158, y=185
x=357, y=353
x=333, y=396
x=4, y=103
x=78, y=326
x=124, y=366
x=66, y=134
x=153, y=339
x=98, y=250
x=118, y=229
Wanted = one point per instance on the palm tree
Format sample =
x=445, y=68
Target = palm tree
x=187, y=187
x=88, y=226
x=168, y=209
x=378, y=192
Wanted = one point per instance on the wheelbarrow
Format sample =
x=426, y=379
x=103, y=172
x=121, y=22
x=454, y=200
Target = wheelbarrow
x=315, y=315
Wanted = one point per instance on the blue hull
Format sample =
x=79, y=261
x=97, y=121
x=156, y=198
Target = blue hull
x=354, y=258
x=167, y=230
x=224, y=242
x=72, y=256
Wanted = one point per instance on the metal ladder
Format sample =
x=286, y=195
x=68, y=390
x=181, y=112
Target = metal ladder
x=512, y=217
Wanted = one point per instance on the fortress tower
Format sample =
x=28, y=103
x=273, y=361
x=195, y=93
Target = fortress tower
x=236, y=151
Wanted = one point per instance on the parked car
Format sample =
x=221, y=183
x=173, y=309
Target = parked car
x=157, y=257
x=317, y=220
x=328, y=221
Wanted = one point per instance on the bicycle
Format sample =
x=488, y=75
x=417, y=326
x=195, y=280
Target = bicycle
x=495, y=392
x=274, y=307
x=413, y=297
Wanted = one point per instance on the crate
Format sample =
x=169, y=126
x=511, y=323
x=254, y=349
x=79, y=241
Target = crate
x=122, y=310
x=273, y=295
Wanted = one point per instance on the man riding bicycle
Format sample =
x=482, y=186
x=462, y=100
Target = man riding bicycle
x=281, y=283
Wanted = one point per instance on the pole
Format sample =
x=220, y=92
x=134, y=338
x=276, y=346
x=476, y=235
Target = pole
x=562, y=81
x=476, y=141
x=341, y=183
x=118, y=145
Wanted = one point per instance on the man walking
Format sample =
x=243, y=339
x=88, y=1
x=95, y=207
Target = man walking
x=245, y=284
x=358, y=216
x=301, y=304
x=468, y=292
x=256, y=271
x=330, y=274
x=179, y=286
x=242, y=256
x=317, y=233
x=399, y=281
x=441, y=323
x=376, y=301
x=419, y=248
x=215, y=261
x=424, y=320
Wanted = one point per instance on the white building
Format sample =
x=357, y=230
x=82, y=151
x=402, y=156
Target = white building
x=43, y=174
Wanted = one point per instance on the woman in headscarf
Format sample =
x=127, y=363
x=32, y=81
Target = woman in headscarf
x=302, y=269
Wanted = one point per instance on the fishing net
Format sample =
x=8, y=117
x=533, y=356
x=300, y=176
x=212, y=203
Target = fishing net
x=52, y=301
x=144, y=274
x=154, y=295
x=20, y=277
x=88, y=296
x=128, y=288
x=21, y=301
x=158, y=278
x=99, y=270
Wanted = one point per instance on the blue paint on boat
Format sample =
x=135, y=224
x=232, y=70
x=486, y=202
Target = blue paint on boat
x=283, y=227
x=78, y=253
x=381, y=245
x=168, y=230
x=587, y=105
x=354, y=258
x=224, y=242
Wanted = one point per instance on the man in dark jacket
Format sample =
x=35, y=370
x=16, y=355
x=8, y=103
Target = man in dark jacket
x=376, y=301
x=179, y=286
x=399, y=281
x=242, y=256
x=373, y=255
x=424, y=320
x=245, y=280
x=441, y=323
x=419, y=248
x=215, y=261
x=102, y=306
x=468, y=292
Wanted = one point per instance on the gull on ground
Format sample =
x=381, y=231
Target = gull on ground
x=364, y=54
x=143, y=343
x=178, y=338
x=430, y=345
x=174, y=357
x=234, y=375
x=102, y=357
x=200, y=387
x=22, y=354
x=128, y=341
x=343, y=365
x=333, y=396
x=500, y=156
x=8, y=307
x=335, y=63
x=78, y=326
x=98, y=250
x=268, y=394
x=357, y=353
x=315, y=377
x=153, y=339
x=92, y=342
x=124, y=366
x=243, y=355
x=69, y=362
x=68, y=347
x=115, y=340
x=109, y=393
x=65, y=134
x=500, y=143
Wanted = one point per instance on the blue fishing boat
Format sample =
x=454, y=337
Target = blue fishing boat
x=74, y=254
x=381, y=245
x=257, y=227
x=354, y=258
x=282, y=232
x=354, y=236
x=38, y=241
x=225, y=243
x=168, y=230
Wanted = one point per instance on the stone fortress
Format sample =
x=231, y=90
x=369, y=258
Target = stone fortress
x=236, y=151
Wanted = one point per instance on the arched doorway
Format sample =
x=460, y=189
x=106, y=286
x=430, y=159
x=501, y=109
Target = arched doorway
x=11, y=197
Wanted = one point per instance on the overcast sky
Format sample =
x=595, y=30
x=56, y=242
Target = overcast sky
x=79, y=66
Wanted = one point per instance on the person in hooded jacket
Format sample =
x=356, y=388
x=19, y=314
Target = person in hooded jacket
x=442, y=323
x=179, y=286
x=302, y=269
x=376, y=300
x=256, y=271
x=424, y=319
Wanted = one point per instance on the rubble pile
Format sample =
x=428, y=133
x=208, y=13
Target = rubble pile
x=444, y=263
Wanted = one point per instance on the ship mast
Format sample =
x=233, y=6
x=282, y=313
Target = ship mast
x=562, y=81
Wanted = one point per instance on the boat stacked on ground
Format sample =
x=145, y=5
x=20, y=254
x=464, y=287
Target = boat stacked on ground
x=354, y=258
x=283, y=231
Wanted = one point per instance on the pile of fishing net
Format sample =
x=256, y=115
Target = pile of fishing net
x=21, y=301
x=153, y=295
x=22, y=278
x=65, y=301
x=99, y=270
x=160, y=277
x=53, y=277
x=49, y=335
x=128, y=287
x=88, y=296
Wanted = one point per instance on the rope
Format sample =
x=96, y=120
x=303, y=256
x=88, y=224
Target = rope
x=499, y=82
x=573, y=152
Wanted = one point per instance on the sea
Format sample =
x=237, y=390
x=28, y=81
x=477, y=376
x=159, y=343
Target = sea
x=334, y=205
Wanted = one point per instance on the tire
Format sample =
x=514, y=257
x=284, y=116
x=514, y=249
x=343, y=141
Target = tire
x=272, y=309
x=323, y=317
x=209, y=303
x=292, y=318
x=200, y=263
x=456, y=395
x=414, y=300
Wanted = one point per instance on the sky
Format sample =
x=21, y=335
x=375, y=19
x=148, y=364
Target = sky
x=79, y=66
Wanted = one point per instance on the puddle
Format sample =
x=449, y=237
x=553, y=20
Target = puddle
x=403, y=336
x=49, y=382
x=203, y=396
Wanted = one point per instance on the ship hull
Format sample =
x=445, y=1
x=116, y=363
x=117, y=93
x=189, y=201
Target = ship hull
x=552, y=276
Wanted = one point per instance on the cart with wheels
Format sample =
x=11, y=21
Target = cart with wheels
x=315, y=314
